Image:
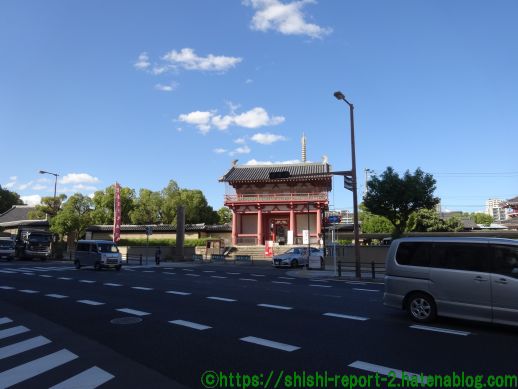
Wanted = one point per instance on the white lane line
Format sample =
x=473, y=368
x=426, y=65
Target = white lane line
x=6, y=287
x=87, y=281
x=45, y=275
x=320, y=286
x=38, y=366
x=23, y=346
x=7, y=272
x=128, y=269
x=178, y=293
x=28, y=274
x=12, y=331
x=221, y=299
x=270, y=343
x=56, y=296
x=64, y=278
x=187, y=270
x=275, y=306
x=218, y=277
x=247, y=279
x=209, y=271
x=133, y=312
x=286, y=278
x=110, y=284
x=190, y=324
x=28, y=291
x=192, y=275
x=233, y=273
x=342, y=316
x=5, y=320
x=437, y=329
x=167, y=272
x=317, y=280
x=91, y=378
x=257, y=275
x=90, y=302
x=387, y=371
x=366, y=290
x=141, y=288
x=282, y=282
x=148, y=271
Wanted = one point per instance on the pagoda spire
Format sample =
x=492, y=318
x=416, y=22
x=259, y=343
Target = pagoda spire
x=303, y=141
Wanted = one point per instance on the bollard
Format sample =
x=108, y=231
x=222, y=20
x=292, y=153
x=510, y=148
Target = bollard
x=373, y=269
x=339, y=269
x=140, y=259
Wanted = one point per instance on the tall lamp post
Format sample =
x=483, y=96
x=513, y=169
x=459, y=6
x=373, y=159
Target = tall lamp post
x=340, y=96
x=55, y=181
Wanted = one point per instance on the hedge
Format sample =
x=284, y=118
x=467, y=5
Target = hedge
x=161, y=242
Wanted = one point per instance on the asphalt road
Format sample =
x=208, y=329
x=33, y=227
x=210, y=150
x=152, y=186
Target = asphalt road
x=56, y=328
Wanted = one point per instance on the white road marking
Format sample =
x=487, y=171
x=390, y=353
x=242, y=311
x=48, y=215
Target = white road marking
x=64, y=278
x=366, y=290
x=56, y=296
x=270, y=343
x=257, y=275
x=218, y=277
x=91, y=378
x=141, y=288
x=12, y=331
x=247, y=279
x=192, y=275
x=148, y=271
x=233, y=273
x=45, y=275
x=23, y=346
x=87, y=281
x=286, y=278
x=387, y=371
x=221, y=299
x=110, y=284
x=360, y=318
x=6, y=287
x=5, y=320
x=282, y=282
x=274, y=306
x=28, y=274
x=7, y=272
x=166, y=272
x=28, y=291
x=437, y=329
x=133, y=312
x=187, y=270
x=178, y=293
x=90, y=302
x=38, y=366
x=190, y=324
x=320, y=286
x=209, y=271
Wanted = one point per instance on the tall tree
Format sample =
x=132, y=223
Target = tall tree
x=396, y=198
x=224, y=215
x=371, y=223
x=103, y=205
x=49, y=206
x=74, y=218
x=428, y=220
x=481, y=218
x=8, y=199
x=148, y=208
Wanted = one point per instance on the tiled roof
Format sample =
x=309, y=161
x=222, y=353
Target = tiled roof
x=162, y=228
x=25, y=223
x=244, y=173
x=16, y=213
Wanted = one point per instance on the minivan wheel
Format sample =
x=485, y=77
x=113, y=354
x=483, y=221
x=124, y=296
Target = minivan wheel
x=294, y=263
x=78, y=264
x=421, y=308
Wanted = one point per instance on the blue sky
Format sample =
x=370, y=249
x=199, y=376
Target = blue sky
x=144, y=92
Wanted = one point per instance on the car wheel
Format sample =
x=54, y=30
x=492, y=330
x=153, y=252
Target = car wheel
x=294, y=263
x=78, y=264
x=421, y=308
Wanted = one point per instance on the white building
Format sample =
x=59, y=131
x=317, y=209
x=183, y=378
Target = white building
x=494, y=209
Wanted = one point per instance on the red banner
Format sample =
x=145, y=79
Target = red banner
x=117, y=218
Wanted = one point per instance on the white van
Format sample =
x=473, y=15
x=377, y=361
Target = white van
x=467, y=278
x=7, y=248
x=97, y=253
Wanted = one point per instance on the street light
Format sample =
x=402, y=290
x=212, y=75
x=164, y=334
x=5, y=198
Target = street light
x=340, y=96
x=55, y=181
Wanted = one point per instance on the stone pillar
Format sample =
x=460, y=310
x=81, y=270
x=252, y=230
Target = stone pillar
x=259, y=225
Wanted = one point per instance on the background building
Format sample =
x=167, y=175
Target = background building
x=495, y=209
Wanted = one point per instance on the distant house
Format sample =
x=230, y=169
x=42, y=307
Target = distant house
x=18, y=216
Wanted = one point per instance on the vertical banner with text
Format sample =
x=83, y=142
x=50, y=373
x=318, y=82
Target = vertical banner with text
x=117, y=213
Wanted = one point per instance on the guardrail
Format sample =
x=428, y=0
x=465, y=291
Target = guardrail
x=372, y=268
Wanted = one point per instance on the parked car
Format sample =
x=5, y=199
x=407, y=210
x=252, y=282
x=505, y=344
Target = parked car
x=296, y=256
x=97, y=253
x=466, y=278
x=7, y=250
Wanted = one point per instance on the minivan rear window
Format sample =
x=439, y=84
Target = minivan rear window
x=413, y=254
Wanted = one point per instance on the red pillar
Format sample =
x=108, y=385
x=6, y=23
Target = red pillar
x=234, y=227
x=293, y=226
x=259, y=226
x=319, y=221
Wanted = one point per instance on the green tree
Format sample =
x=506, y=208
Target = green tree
x=147, y=208
x=481, y=218
x=371, y=223
x=49, y=206
x=74, y=218
x=396, y=198
x=8, y=199
x=224, y=215
x=103, y=205
x=428, y=220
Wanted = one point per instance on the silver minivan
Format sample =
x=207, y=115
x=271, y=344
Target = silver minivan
x=97, y=253
x=467, y=278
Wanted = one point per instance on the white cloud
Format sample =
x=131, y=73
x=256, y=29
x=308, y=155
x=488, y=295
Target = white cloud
x=288, y=19
x=25, y=186
x=256, y=162
x=187, y=59
x=78, y=178
x=254, y=118
x=82, y=187
x=13, y=178
x=166, y=87
x=239, y=141
x=267, y=138
x=220, y=151
x=240, y=150
x=142, y=61
x=249, y=81
x=31, y=200
x=39, y=187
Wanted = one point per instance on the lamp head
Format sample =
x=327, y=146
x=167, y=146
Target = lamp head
x=339, y=95
x=42, y=172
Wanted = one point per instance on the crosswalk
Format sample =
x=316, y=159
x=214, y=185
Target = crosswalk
x=35, y=269
x=32, y=366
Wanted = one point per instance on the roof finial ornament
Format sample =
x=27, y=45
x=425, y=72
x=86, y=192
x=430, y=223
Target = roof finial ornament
x=234, y=162
x=303, y=141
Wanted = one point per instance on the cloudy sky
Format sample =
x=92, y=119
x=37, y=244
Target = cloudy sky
x=144, y=92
